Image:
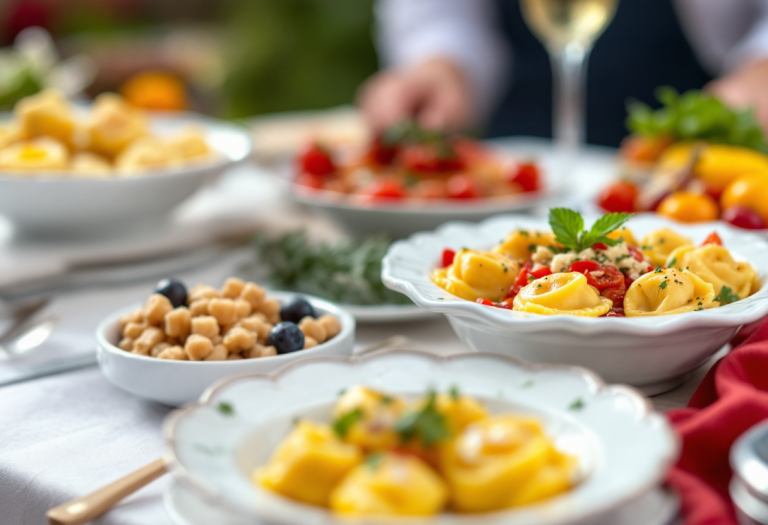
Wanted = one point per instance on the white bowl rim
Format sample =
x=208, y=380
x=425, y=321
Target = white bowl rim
x=345, y=318
x=219, y=160
x=410, y=252
x=646, y=412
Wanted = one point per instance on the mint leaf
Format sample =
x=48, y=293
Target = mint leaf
x=344, y=422
x=567, y=225
x=602, y=227
x=726, y=296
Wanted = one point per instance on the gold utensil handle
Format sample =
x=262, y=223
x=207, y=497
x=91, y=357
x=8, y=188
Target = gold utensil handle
x=88, y=507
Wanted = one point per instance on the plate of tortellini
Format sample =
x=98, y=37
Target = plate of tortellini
x=68, y=168
x=452, y=441
x=639, y=299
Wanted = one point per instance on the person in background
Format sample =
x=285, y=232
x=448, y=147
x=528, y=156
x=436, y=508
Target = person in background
x=473, y=63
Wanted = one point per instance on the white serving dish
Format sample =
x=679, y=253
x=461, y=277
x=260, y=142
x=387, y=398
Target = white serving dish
x=387, y=313
x=177, y=382
x=52, y=206
x=654, y=354
x=624, y=448
x=596, y=164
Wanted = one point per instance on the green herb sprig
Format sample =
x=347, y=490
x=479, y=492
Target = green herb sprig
x=696, y=115
x=344, y=422
x=425, y=424
x=568, y=227
x=726, y=296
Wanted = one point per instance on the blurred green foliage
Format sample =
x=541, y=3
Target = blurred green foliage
x=288, y=55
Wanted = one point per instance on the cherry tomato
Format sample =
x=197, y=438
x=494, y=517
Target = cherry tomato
x=527, y=275
x=507, y=304
x=585, y=266
x=448, y=256
x=316, y=160
x=640, y=148
x=428, y=158
x=462, y=187
x=686, y=206
x=615, y=312
x=743, y=217
x=628, y=282
x=750, y=191
x=713, y=238
x=621, y=196
x=526, y=176
x=385, y=189
x=485, y=302
x=600, y=246
x=380, y=154
x=469, y=150
x=637, y=253
x=611, y=277
x=615, y=294
x=310, y=180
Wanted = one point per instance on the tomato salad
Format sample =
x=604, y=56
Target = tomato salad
x=409, y=162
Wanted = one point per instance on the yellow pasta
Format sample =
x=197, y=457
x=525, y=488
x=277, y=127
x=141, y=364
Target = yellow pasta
x=658, y=245
x=624, y=234
x=113, y=124
x=521, y=243
x=562, y=293
x=715, y=265
x=40, y=154
x=668, y=292
x=475, y=275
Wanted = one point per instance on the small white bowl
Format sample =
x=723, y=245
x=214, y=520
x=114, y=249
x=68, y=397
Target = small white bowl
x=654, y=354
x=50, y=206
x=623, y=447
x=177, y=382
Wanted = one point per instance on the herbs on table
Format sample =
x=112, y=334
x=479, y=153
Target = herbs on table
x=696, y=115
x=568, y=227
x=348, y=272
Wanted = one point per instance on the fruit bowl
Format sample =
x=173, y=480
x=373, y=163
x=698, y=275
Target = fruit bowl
x=654, y=354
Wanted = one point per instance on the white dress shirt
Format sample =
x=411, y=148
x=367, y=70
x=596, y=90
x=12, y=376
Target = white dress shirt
x=723, y=33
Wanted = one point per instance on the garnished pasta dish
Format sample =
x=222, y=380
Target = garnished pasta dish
x=600, y=272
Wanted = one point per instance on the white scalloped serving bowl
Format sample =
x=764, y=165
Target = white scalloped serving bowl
x=174, y=383
x=654, y=354
x=624, y=447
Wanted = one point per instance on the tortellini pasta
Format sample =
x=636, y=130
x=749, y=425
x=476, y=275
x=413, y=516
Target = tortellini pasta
x=478, y=275
x=501, y=462
x=624, y=234
x=715, y=265
x=375, y=429
x=40, y=154
x=521, y=243
x=394, y=485
x=113, y=124
x=46, y=114
x=562, y=293
x=668, y=292
x=658, y=245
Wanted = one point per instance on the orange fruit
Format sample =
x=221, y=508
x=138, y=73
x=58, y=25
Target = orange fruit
x=685, y=206
x=155, y=90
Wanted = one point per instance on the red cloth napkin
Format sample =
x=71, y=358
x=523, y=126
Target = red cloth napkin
x=732, y=398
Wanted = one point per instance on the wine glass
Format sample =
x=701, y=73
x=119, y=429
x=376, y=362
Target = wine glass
x=568, y=29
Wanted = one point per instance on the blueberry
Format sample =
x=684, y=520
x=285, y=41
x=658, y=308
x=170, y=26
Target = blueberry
x=295, y=309
x=174, y=290
x=286, y=338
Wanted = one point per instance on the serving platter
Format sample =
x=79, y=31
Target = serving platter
x=623, y=447
x=387, y=313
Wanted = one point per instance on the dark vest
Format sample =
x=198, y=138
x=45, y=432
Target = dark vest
x=642, y=49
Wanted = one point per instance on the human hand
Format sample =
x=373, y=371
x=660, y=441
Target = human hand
x=744, y=88
x=435, y=93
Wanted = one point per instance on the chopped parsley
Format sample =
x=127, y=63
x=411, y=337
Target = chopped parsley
x=672, y=262
x=527, y=384
x=454, y=393
x=374, y=461
x=726, y=296
x=531, y=247
x=386, y=400
x=225, y=408
x=425, y=424
x=344, y=422
x=663, y=284
x=523, y=232
x=577, y=404
x=530, y=278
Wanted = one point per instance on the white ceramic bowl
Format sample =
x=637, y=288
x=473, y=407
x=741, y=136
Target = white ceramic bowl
x=177, y=382
x=654, y=354
x=623, y=447
x=49, y=206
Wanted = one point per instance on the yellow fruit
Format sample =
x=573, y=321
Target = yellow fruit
x=750, y=191
x=308, y=464
x=157, y=90
x=685, y=206
x=390, y=485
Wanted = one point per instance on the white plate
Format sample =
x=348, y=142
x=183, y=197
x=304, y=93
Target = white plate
x=623, y=447
x=177, y=382
x=657, y=507
x=50, y=206
x=387, y=313
x=595, y=167
x=652, y=353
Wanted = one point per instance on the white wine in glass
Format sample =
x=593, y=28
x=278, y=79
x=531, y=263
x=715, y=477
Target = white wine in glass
x=568, y=29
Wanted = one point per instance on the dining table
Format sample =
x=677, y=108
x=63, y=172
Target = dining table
x=67, y=432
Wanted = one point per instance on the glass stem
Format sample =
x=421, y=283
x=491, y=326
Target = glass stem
x=569, y=76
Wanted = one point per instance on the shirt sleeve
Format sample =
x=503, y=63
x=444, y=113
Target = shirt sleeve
x=411, y=31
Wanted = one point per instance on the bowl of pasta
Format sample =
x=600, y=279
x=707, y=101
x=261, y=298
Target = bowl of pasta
x=453, y=440
x=644, y=312
x=70, y=170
